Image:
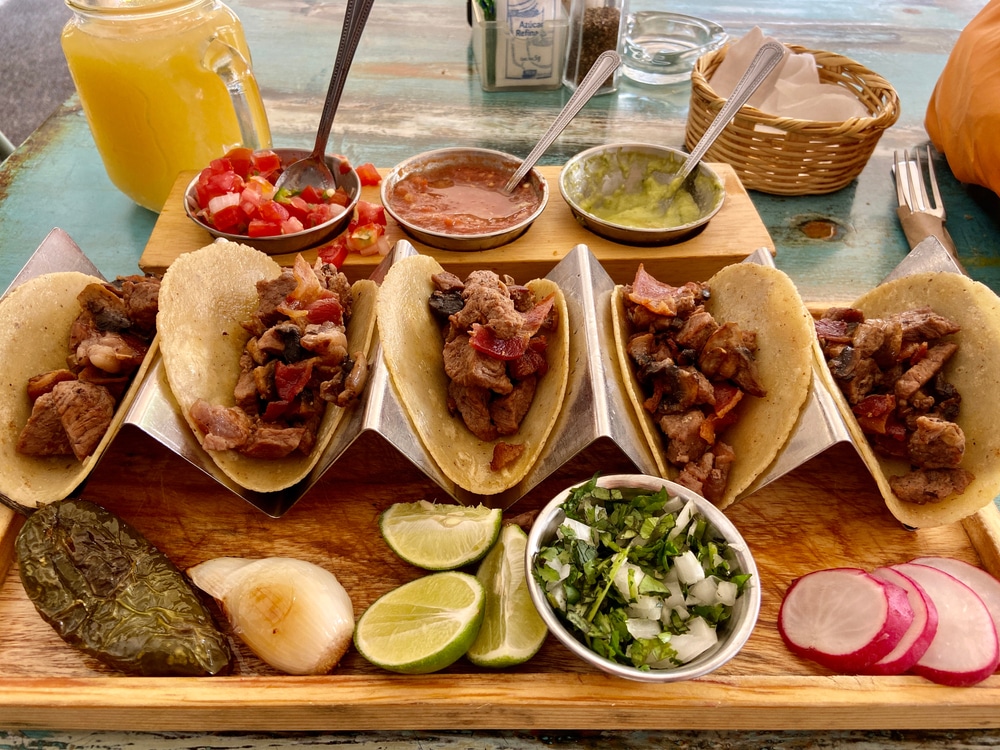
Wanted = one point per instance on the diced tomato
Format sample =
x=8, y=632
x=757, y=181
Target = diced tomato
x=363, y=237
x=289, y=380
x=273, y=211
x=368, y=174
x=263, y=228
x=345, y=165
x=338, y=197
x=297, y=207
x=371, y=213
x=244, y=179
x=212, y=184
x=231, y=219
x=334, y=252
x=265, y=162
x=326, y=310
x=320, y=213
x=312, y=194
x=239, y=159
x=291, y=225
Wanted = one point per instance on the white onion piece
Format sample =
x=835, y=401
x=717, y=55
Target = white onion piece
x=294, y=615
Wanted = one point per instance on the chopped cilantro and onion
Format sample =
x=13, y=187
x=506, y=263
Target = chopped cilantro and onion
x=638, y=576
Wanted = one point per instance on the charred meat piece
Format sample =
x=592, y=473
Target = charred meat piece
x=930, y=485
x=693, y=370
x=294, y=363
x=494, y=353
x=73, y=407
x=85, y=412
x=892, y=372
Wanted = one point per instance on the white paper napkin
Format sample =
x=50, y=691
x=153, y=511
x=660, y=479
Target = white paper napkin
x=793, y=88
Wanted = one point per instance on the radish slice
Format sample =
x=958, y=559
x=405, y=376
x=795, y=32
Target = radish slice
x=965, y=649
x=918, y=637
x=975, y=578
x=843, y=618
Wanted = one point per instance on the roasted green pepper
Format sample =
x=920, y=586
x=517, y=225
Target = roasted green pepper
x=109, y=592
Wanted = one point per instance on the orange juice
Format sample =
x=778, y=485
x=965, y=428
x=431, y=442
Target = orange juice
x=152, y=78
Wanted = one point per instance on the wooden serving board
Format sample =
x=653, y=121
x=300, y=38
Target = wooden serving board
x=825, y=513
x=734, y=233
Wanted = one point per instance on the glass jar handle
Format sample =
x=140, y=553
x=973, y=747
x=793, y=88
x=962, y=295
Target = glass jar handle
x=226, y=62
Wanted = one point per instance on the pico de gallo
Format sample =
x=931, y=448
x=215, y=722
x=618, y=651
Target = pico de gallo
x=236, y=194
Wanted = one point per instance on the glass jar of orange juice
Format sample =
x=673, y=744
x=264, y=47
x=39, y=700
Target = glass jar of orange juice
x=166, y=86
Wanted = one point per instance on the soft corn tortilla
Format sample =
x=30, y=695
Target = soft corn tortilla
x=204, y=297
x=760, y=299
x=412, y=347
x=35, y=319
x=974, y=370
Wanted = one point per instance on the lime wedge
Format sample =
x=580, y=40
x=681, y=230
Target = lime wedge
x=423, y=625
x=512, y=630
x=440, y=536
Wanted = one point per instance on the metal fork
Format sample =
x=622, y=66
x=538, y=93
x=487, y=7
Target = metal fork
x=910, y=189
x=921, y=214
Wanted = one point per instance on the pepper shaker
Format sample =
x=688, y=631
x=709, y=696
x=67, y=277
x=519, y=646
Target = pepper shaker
x=595, y=26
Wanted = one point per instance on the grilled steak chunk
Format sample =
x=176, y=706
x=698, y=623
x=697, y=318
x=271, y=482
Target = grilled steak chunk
x=930, y=485
x=892, y=372
x=494, y=353
x=693, y=370
x=108, y=341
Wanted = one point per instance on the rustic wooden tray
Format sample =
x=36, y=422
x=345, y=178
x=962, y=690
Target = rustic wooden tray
x=734, y=233
x=825, y=513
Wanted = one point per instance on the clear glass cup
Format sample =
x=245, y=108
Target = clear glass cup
x=595, y=26
x=166, y=86
x=661, y=48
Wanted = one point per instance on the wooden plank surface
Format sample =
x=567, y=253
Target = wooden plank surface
x=825, y=513
x=735, y=232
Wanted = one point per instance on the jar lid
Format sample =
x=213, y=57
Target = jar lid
x=129, y=6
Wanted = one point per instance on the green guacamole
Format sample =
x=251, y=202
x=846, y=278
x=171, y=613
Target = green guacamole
x=645, y=203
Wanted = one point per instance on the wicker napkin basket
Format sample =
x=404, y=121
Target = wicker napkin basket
x=807, y=157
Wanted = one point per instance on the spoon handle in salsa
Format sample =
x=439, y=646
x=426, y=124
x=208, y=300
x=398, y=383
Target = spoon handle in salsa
x=603, y=66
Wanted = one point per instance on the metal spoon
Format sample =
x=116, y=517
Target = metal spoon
x=313, y=169
x=603, y=66
x=769, y=55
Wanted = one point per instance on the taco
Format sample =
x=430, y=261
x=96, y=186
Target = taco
x=718, y=372
x=263, y=360
x=914, y=365
x=73, y=353
x=500, y=336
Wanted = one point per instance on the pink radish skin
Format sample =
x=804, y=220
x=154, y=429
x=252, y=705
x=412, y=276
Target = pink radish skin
x=843, y=618
x=918, y=636
x=975, y=578
x=965, y=649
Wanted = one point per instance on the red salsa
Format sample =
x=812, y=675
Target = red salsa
x=462, y=199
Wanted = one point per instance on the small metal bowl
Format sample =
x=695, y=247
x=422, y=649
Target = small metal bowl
x=290, y=243
x=433, y=162
x=591, y=178
x=733, y=634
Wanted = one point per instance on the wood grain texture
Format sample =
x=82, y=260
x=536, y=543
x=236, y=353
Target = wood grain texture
x=735, y=232
x=826, y=513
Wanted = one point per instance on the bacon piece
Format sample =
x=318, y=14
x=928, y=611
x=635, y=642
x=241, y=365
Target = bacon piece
x=662, y=298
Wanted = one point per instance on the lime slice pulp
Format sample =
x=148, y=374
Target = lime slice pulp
x=424, y=625
x=439, y=536
x=512, y=630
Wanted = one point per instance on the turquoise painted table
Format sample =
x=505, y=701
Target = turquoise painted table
x=413, y=87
